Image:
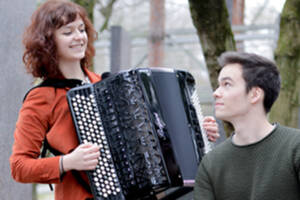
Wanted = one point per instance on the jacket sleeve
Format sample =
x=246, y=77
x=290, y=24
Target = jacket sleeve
x=31, y=129
x=203, y=188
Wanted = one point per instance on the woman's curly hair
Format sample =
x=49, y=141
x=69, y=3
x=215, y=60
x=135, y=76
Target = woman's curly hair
x=40, y=56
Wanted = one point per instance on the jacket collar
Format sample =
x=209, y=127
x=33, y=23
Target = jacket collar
x=91, y=75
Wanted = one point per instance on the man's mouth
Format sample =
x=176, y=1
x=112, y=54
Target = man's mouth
x=219, y=104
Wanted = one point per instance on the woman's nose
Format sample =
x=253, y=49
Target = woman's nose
x=78, y=35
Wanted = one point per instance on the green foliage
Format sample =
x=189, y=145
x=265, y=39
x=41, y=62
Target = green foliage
x=89, y=7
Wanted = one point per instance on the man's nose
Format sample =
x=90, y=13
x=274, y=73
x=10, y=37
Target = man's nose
x=216, y=93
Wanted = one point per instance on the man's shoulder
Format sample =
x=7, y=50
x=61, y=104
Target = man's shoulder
x=287, y=129
x=288, y=132
x=288, y=137
x=220, y=150
x=223, y=145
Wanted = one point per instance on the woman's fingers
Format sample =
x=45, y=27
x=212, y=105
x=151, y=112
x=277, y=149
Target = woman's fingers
x=91, y=156
x=84, y=157
x=211, y=128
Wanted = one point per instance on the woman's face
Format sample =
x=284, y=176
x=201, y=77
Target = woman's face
x=71, y=41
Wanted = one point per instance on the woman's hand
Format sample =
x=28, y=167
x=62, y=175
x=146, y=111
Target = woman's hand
x=211, y=128
x=84, y=157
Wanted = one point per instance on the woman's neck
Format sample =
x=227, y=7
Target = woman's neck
x=71, y=70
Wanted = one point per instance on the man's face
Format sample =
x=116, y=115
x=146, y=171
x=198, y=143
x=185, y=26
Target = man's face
x=231, y=100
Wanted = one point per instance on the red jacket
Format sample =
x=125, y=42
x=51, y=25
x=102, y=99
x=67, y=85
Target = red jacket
x=45, y=113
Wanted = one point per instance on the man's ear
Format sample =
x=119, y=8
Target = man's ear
x=256, y=95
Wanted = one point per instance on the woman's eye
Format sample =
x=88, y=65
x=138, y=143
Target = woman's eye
x=82, y=30
x=67, y=33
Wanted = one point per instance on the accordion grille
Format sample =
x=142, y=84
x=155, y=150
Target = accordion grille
x=196, y=103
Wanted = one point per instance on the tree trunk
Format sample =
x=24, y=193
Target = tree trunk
x=212, y=22
x=287, y=56
x=213, y=26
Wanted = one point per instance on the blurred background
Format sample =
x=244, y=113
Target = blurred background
x=132, y=33
x=255, y=24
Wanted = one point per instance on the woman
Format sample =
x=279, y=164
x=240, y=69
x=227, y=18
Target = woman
x=58, y=46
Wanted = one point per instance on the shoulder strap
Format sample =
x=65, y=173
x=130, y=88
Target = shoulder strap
x=81, y=181
x=56, y=83
x=75, y=173
x=46, y=147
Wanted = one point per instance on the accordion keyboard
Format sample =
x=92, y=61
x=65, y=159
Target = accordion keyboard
x=90, y=129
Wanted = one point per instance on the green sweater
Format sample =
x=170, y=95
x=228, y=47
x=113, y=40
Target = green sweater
x=265, y=170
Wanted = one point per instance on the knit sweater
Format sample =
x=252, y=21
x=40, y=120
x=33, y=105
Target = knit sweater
x=265, y=170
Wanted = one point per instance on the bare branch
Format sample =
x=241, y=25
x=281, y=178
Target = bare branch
x=106, y=11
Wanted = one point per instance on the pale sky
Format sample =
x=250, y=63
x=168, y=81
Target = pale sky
x=277, y=4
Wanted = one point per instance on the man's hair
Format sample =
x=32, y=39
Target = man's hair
x=257, y=71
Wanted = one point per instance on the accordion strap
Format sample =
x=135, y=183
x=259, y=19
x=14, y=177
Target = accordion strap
x=56, y=83
x=81, y=181
x=46, y=147
x=75, y=173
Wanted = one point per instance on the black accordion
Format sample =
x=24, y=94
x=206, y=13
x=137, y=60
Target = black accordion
x=146, y=122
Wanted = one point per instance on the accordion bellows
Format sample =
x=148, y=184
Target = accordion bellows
x=146, y=122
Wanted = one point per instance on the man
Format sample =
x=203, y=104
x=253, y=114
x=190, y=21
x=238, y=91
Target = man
x=261, y=160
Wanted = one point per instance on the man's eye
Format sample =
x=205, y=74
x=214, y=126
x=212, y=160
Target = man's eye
x=227, y=84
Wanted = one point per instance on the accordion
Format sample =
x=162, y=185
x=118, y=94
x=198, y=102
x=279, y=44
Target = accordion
x=146, y=122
